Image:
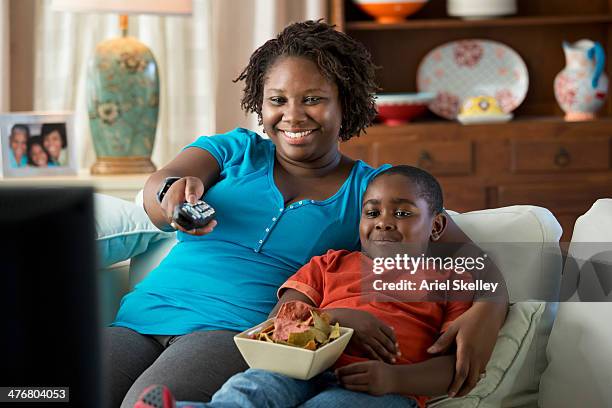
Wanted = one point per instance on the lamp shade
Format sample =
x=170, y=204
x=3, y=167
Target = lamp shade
x=160, y=7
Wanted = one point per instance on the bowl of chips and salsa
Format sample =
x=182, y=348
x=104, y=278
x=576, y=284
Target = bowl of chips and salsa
x=299, y=343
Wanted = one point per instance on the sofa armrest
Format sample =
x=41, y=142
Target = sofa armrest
x=145, y=262
x=112, y=286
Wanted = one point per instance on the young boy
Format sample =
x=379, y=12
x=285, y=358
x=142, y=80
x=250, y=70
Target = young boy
x=386, y=363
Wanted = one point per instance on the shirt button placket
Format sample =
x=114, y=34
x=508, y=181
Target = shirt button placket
x=267, y=231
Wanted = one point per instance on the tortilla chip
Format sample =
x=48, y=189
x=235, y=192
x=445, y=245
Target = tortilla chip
x=311, y=345
x=301, y=339
x=319, y=335
x=320, y=323
x=335, y=332
x=298, y=324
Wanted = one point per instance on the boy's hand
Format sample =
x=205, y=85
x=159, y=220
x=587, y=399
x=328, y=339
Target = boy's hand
x=374, y=377
x=371, y=335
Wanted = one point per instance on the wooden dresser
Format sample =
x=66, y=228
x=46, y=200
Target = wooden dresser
x=549, y=163
x=537, y=158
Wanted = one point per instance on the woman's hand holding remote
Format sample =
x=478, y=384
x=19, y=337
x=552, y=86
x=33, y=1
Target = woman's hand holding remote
x=187, y=189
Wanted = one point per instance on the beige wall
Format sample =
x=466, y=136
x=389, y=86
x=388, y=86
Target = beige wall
x=22, y=54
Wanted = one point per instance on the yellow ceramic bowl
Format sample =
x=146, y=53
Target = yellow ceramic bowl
x=482, y=109
x=481, y=105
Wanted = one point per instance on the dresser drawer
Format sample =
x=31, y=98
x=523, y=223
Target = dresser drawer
x=558, y=197
x=558, y=156
x=463, y=196
x=439, y=158
x=566, y=202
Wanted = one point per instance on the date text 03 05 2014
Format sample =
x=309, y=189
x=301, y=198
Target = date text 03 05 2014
x=34, y=394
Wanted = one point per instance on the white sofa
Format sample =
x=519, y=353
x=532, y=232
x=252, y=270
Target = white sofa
x=514, y=375
x=579, y=372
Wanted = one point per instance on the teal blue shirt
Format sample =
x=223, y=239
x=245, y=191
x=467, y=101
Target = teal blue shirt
x=228, y=279
x=13, y=160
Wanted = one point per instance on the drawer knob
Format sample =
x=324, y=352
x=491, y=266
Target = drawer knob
x=425, y=159
x=562, y=158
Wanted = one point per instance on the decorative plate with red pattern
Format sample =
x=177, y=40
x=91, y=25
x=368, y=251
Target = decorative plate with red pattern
x=461, y=69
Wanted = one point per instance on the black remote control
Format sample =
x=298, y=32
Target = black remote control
x=193, y=216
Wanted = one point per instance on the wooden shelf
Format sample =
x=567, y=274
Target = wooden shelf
x=124, y=186
x=519, y=122
x=494, y=22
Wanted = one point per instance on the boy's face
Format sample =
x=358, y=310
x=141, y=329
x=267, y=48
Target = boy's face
x=301, y=111
x=393, y=213
x=39, y=156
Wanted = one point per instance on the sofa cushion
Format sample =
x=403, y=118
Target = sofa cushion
x=579, y=373
x=523, y=243
x=510, y=355
x=123, y=230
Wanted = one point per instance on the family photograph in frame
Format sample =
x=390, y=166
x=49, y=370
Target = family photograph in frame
x=37, y=144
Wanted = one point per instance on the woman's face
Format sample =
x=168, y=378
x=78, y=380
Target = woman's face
x=38, y=156
x=301, y=111
x=19, y=142
x=53, y=143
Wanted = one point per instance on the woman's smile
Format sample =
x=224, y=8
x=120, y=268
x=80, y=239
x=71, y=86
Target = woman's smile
x=298, y=137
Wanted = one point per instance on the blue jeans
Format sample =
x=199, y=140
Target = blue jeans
x=258, y=388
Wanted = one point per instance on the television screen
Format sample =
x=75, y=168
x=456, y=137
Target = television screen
x=48, y=295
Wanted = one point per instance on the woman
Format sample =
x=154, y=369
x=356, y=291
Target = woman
x=279, y=202
x=54, y=140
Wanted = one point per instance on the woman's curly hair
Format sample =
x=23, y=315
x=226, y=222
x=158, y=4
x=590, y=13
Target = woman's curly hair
x=340, y=58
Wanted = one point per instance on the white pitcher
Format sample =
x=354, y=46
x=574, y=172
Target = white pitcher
x=582, y=86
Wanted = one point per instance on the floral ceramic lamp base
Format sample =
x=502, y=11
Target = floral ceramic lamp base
x=123, y=99
x=122, y=165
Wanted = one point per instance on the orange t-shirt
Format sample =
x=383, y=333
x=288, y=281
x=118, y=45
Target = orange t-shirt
x=336, y=280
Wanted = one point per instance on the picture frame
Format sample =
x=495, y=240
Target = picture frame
x=35, y=144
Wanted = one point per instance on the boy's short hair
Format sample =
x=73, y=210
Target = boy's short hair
x=341, y=59
x=429, y=188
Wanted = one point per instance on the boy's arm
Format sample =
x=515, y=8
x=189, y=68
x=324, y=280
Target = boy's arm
x=289, y=295
x=430, y=378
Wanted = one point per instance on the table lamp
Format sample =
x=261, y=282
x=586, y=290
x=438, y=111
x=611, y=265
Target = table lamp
x=123, y=87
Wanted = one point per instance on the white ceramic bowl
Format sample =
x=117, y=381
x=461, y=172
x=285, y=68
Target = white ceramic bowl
x=475, y=9
x=481, y=119
x=415, y=98
x=291, y=361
